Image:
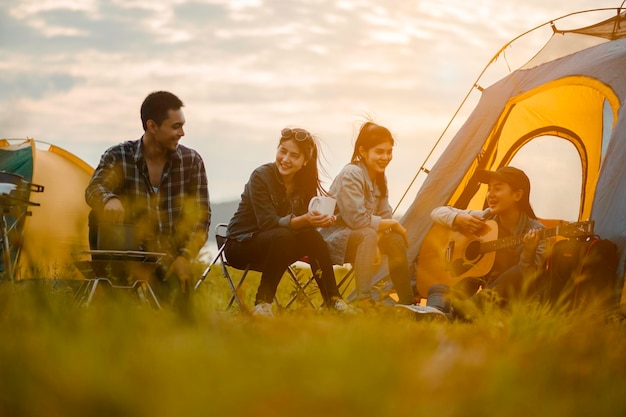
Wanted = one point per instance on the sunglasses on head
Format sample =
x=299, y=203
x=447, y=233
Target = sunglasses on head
x=300, y=135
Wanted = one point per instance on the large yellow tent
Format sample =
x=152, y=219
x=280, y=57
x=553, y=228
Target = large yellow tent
x=572, y=90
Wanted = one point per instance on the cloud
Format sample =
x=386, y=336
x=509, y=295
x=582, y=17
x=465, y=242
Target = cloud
x=35, y=85
x=75, y=72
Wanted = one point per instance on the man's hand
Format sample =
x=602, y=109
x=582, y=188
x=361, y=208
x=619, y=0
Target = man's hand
x=113, y=211
x=181, y=268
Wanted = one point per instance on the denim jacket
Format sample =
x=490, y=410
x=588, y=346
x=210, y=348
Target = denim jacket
x=265, y=205
x=360, y=204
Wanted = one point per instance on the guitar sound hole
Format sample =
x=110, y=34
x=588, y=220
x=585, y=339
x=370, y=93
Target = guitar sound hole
x=473, y=250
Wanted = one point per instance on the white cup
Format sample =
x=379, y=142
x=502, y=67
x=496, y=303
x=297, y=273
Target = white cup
x=322, y=205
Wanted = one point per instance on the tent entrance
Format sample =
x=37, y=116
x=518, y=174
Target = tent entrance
x=570, y=108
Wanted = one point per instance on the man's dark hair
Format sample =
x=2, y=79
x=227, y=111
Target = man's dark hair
x=156, y=107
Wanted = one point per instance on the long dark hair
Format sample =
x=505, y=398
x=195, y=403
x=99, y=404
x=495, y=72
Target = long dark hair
x=307, y=179
x=369, y=136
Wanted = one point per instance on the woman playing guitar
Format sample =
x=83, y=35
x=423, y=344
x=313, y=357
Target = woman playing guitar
x=511, y=270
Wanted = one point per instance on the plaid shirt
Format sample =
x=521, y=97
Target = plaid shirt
x=175, y=218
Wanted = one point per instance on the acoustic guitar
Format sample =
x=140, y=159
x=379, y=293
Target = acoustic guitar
x=447, y=256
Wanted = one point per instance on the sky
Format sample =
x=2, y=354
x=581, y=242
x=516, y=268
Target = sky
x=74, y=72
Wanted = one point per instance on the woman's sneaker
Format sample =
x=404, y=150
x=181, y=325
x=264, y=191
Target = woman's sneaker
x=425, y=312
x=342, y=307
x=263, y=310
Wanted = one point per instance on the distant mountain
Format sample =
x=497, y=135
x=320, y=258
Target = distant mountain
x=221, y=213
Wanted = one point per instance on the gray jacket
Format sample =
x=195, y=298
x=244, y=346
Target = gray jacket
x=360, y=204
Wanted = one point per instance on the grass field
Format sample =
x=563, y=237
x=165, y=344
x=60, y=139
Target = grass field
x=121, y=359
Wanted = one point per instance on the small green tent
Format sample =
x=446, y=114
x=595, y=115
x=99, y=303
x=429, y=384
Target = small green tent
x=46, y=242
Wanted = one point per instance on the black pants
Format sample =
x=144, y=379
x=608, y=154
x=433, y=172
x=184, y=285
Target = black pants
x=272, y=251
x=512, y=284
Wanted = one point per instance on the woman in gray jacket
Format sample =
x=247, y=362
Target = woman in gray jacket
x=364, y=228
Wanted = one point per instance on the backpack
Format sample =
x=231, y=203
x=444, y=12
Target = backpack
x=583, y=269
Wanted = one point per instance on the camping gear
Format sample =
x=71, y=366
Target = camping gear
x=583, y=269
x=57, y=227
x=139, y=289
x=14, y=203
x=117, y=237
x=571, y=90
x=119, y=265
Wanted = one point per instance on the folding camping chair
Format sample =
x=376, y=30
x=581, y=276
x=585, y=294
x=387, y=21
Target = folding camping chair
x=220, y=238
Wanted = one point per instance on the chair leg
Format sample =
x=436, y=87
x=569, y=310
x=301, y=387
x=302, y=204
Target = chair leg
x=82, y=291
x=345, y=282
x=235, y=295
x=235, y=289
x=146, y=294
x=343, y=285
x=220, y=257
x=208, y=268
x=300, y=289
x=87, y=290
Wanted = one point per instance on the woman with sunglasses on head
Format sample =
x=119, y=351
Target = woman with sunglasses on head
x=364, y=228
x=272, y=227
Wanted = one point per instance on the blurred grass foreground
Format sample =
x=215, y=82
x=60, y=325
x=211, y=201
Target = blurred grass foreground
x=118, y=358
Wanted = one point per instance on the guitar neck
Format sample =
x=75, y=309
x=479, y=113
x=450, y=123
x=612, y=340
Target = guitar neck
x=507, y=242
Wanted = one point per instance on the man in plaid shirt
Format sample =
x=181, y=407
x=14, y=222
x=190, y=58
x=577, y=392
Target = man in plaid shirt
x=160, y=187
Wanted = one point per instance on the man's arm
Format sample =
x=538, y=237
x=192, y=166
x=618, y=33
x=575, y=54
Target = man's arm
x=106, y=181
x=105, y=187
x=196, y=218
x=198, y=212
